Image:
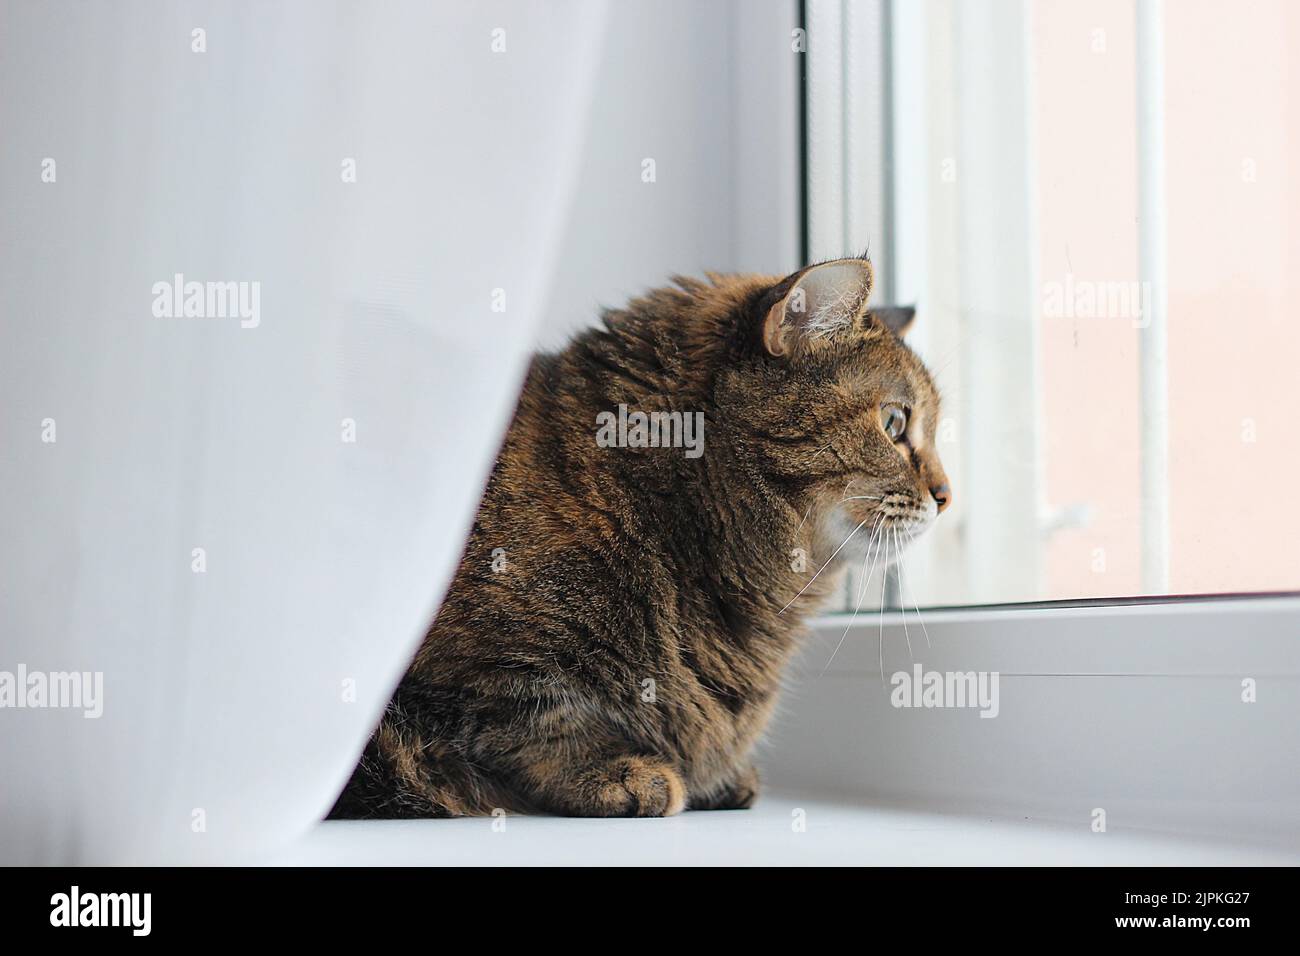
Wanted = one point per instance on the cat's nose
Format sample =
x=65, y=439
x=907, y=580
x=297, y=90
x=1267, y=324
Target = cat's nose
x=942, y=495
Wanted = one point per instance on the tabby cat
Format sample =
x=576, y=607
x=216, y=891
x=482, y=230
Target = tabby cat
x=613, y=640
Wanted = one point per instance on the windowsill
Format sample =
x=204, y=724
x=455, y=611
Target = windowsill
x=1137, y=711
x=838, y=833
x=1174, y=717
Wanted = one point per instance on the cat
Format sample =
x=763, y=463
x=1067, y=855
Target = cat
x=613, y=641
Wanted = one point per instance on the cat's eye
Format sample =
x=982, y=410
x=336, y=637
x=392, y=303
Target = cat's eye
x=893, y=419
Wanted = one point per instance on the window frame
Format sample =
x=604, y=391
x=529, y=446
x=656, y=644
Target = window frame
x=1130, y=704
x=865, y=93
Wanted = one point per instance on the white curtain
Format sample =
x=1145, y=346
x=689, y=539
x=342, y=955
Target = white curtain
x=183, y=510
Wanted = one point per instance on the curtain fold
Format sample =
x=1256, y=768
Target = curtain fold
x=271, y=275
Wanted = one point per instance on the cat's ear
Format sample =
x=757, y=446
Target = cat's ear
x=897, y=318
x=819, y=302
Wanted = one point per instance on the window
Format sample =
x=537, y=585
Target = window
x=1093, y=208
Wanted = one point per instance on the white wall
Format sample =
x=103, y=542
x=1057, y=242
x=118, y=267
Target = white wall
x=710, y=91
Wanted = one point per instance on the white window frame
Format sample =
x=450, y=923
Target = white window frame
x=866, y=88
x=1132, y=706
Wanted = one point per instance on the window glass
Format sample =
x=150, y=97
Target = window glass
x=1020, y=176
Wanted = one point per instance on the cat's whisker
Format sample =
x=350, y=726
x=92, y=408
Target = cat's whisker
x=924, y=629
x=898, y=555
x=825, y=447
x=902, y=600
x=805, y=518
x=881, y=643
x=876, y=530
x=823, y=567
x=864, y=498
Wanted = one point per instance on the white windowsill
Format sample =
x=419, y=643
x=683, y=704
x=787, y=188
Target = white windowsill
x=838, y=833
x=1135, y=710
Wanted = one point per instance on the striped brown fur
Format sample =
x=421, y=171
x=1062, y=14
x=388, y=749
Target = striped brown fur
x=625, y=566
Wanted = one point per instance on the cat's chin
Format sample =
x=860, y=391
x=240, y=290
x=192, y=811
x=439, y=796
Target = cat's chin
x=881, y=543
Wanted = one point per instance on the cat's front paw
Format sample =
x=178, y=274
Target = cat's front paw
x=652, y=788
x=631, y=786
